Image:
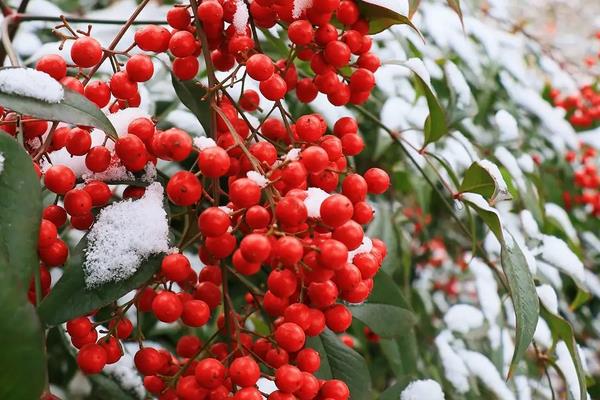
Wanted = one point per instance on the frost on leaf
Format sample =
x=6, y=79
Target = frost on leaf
x=29, y=82
x=124, y=235
x=1, y=163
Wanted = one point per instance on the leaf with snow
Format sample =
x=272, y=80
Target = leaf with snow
x=71, y=107
x=481, y=367
x=484, y=177
x=459, y=88
x=566, y=347
x=455, y=370
x=507, y=126
x=124, y=235
x=487, y=213
x=31, y=83
x=557, y=216
x=382, y=14
x=436, y=125
x=548, y=297
x=556, y=252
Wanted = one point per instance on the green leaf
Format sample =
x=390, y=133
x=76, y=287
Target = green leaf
x=436, y=125
x=384, y=319
x=562, y=330
x=59, y=306
x=339, y=361
x=413, y=6
x=487, y=213
x=104, y=387
x=523, y=294
x=20, y=209
x=394, y=391
x=380, y=17
x=191, y=93
x=455, y=5
x=479, y=179
x=23, y=373
x=73, y=109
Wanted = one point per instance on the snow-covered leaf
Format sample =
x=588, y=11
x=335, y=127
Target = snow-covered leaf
x=484, y=177
x=73, y=108
x=563, y=331
x=487, y=213
x=381, y=16
x=59, y=306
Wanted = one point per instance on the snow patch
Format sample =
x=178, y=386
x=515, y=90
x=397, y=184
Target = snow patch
x=507, y=125
x=548, y=297
x=29, y=82
x=423, y=389
x=560, y=216
x=455, y=370
x=300, y=6
x=240, y=18
x=315, y=197
x=463, y=317
x=565, y=363
x=2, y=159
x=124, y=235
x=557, y=252
x=204, y=142
x=482, y=367
x=257, y=178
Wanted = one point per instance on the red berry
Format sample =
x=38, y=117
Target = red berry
x=184, y=189
x=290, y=336
x=86, y=52
x=213, y=222
x=336, y=210
x=59, y=179
x=78, y=202
x=167, y=307
x=260, y=67
x=210, y=373
x=214, y=162
x=97, y=92
x=244, y=193
x=153, y=38
x=274, y=88
x=122, y=87
x=195, y=313
x=91, y=358
x=244, y=371
x=47, y=234
x=52, y=64
x=288, y=378
x=139, y=68
x=148, y=361
x=186, y=68
x=79, y=327
x=179, y=17
x=176, y=267
x=378, y=180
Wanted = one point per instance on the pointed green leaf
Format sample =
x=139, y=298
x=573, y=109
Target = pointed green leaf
x=562, y=330
x=523, y=294
x=339, y=361
x=73, y=109
x=487, y=213
x=191, y=93
x=59, y=306
x=24, y=366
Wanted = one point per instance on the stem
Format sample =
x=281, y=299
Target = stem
x=9, y=34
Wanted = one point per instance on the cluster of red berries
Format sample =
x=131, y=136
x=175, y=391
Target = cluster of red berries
x=583, y=108
x=278, y=200
x=586, y=179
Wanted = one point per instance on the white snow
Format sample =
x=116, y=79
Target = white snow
x=458, y=84
x=523, y=389
x=592, y=282
x=293, y=154
x=512, y=166
x=257, y=178
x=315, y=197
x=556, y=252
x=530, y=226
x=185, y=120
x=125, y=372
x=481, y=367
x=559, y=215
x=548, y=297
x=526, y=163
x=418, y=67
x=122, y=118
x=240, y=18
x=203, y=142
x=501, y=192
x=507, y=126
x=566, y=365
x=463, y=317
x=422, y=389
x=29, y=82
x=124, y=235
x=365, y=247
x=455, y=370
x=1, y=162
x=487, y=290
x=300, y=6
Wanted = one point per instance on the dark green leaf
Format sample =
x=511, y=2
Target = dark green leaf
x=380, y=17
x=394, y=391
x=523, y=295
x=23, y=371
x=73, y=109
x=105, y=388
x=191, y=93
x=562, y=330
x=20, y=209
x=384, y=319
x=339, y=361
x=59, y=306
